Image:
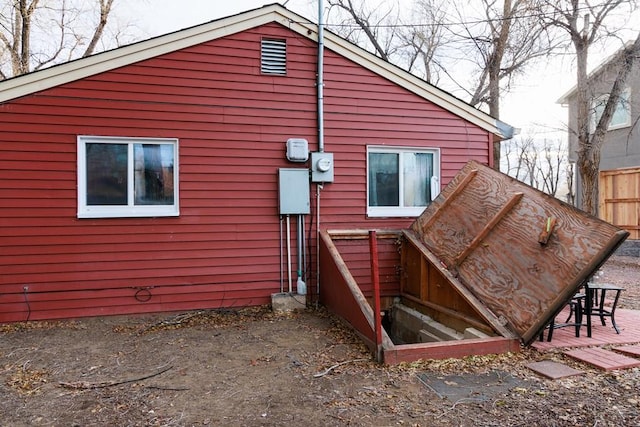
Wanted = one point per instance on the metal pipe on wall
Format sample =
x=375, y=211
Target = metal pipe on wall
x=320, y=92
x=289, y=252
x=301, y=286
x=281, y=259
x=318, y=188
x=320, y=76
x=304, y=253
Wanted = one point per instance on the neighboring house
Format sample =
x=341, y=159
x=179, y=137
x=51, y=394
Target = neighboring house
x=621, y=148
x=145, y=178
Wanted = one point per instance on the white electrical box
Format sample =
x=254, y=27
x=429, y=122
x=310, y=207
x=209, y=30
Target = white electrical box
x=297, y=150
x=294, y=191
x=321, y=167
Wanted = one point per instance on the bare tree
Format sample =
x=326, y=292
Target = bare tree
x=496, y=42
x=105, y=10
x=422, y=40
x=513, y=153
x=552, y=165
x=539, y=163
x=523, y=153
x=501, y=41
x=379, y=24
x=38, y=33
x=584, y=23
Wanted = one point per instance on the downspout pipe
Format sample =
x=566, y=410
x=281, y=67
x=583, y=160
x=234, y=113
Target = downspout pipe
x=320, y=92
x=320, y=82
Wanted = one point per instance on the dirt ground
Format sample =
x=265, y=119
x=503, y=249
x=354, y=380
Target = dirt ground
x=255, y=368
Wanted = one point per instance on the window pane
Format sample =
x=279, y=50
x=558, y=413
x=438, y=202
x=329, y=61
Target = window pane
x=153, y=174
x=621, y=113
x=383, y=179
x=417, y=170
x=106, y=174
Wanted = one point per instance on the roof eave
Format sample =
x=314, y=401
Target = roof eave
x=414, y=84
x=119, y=57
x=139, y=51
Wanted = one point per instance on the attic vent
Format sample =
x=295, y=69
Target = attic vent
x=273, y=57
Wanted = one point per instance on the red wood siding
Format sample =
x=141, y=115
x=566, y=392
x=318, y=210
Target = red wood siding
x=363, y=109
x=356, y=255
x=232, y=124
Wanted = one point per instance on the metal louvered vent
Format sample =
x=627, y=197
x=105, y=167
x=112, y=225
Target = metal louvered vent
x=273, y=58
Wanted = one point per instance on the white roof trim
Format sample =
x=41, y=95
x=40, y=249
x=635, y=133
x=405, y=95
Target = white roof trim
x=85, y=67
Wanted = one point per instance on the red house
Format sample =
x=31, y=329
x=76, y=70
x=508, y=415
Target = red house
x=146, y=178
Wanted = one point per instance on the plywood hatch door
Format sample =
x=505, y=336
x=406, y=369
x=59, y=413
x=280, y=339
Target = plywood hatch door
x=520, y=252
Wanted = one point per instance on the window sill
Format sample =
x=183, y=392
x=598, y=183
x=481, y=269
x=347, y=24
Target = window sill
x=129, y=213
x=395, y=212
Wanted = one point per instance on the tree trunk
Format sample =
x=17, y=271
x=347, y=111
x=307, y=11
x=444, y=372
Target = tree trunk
x=588, y=152
x=495, y=63
x=105, y=10
x=590, y=143
x=494, y=101
x=588, y=167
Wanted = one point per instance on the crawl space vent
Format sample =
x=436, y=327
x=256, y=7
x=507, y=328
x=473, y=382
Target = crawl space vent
x=273, y=58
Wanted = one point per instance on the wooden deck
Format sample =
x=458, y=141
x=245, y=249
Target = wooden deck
x=628, y=322
x=605, y=349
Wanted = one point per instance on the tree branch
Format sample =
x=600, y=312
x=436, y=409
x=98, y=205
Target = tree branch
x=87, y=385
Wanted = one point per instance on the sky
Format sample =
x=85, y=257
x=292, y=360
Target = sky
x=163, y=16
x=530, y=106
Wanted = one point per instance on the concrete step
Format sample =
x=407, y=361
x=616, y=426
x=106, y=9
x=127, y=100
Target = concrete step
x=409, y=325
x=426, y=336
x=471, y=333
x=444, y=332
x=553, y=370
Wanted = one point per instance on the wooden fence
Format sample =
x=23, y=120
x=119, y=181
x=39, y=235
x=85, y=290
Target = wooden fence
x=620, y=199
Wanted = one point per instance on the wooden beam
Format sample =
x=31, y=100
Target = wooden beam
x=459, y=188
x=487, y=228
x=359, y=298
x=357, y=234
x=375, y=279
x=623, y=200
x=449, y=349
x=349, y=281
x=497, y=324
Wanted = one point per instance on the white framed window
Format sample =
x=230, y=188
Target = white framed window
x=401, y=181
x=621, y=117
x=127, y=177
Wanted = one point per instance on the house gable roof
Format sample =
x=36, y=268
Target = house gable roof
x=75, y=70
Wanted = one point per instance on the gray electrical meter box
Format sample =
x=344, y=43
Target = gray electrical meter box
x=321, y=167
x=294, y=191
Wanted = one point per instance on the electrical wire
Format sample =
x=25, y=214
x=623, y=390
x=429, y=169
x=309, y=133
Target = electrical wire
x=461, y=22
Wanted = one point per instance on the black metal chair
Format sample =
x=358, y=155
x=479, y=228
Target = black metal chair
x=601, y=305
x=576, y=311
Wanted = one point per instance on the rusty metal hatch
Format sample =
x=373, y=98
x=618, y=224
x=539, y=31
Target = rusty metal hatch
x=520, y=252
